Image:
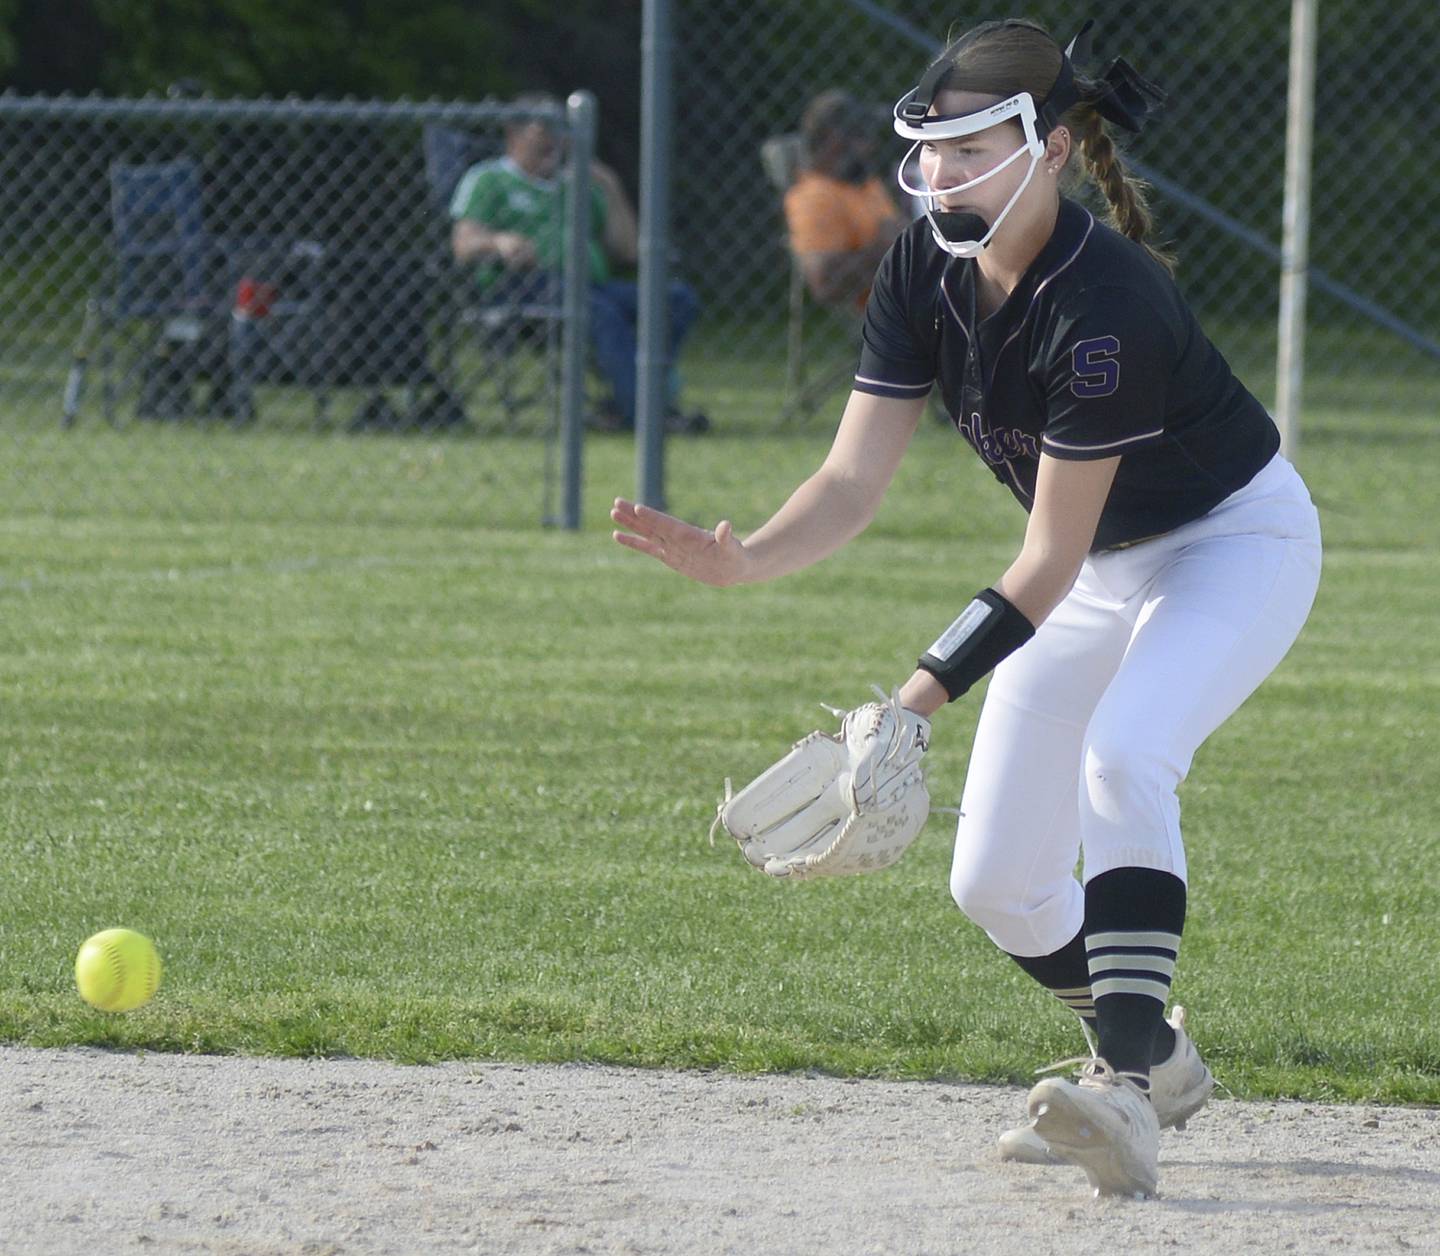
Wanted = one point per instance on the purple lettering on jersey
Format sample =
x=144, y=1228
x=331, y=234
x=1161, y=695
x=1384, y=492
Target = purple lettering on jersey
x=997, y=445
x=1097, y=369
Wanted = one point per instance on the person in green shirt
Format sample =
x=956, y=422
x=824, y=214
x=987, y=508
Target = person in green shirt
x=508, y=221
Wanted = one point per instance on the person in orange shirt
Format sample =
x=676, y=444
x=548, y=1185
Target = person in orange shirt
x=840, y=215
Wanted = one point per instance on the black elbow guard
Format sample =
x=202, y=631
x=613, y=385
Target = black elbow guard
x=988, y=630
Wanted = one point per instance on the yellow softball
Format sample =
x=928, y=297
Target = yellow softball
x=117, y=970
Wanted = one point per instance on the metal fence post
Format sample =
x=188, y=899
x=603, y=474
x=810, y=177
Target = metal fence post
x=1295, y=244
x=652, y=361
x=580, y=108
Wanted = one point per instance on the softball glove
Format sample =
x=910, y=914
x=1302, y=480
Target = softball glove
x=838, y=803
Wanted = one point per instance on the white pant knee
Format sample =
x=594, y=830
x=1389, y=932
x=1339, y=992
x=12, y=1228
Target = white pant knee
x=1129, y=810
x=1020, y=920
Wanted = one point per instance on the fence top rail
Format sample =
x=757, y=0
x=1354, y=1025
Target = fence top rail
x=290, y=109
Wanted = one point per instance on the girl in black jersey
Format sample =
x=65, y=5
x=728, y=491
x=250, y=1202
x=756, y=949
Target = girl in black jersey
x=1170, y=558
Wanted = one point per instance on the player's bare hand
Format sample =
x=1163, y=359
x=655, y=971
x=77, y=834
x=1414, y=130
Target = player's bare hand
x=718, y=558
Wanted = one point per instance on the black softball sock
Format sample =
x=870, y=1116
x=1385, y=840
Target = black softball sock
x=1066, y=975
x=1133, y=921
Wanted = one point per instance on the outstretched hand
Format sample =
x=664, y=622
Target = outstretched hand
x=718, y=558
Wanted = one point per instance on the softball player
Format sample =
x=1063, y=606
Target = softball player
x=1170, y=558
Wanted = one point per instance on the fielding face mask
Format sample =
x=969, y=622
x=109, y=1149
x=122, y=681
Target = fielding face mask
x=967, y=234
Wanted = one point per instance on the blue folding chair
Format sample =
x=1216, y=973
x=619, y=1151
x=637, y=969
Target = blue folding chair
x=163, y=269
x=162, y=252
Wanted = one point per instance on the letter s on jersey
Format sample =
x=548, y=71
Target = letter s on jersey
x=1097, y=367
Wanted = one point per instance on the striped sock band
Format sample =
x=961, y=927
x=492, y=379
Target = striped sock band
x=1080, y=1001
x=1132, y=961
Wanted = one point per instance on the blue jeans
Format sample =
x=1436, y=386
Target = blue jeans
x=614, y=311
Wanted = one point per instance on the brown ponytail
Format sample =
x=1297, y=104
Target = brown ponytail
x=1127, y=195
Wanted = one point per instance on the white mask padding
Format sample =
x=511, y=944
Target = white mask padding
x=956, y=126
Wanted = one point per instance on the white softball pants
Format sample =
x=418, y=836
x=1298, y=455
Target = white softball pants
x=1089, y=728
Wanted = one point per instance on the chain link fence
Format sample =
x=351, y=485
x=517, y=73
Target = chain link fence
x=745, y=73
x=250, y=310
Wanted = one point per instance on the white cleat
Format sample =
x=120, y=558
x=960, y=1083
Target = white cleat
x=1023, y=1145
x=1103, y=1123
x=1179, y=1088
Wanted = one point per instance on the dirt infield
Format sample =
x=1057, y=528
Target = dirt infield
x=108, y=1153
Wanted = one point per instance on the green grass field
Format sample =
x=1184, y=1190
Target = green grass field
x=421, y=789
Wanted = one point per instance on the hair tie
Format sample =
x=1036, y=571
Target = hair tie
x=1126, y=98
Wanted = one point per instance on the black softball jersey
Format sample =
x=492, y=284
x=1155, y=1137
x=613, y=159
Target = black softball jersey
x=1095, y=354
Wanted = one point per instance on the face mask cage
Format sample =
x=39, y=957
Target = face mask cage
x=966, y=234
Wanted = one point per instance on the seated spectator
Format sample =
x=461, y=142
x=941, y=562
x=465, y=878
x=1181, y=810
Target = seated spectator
x=508, y=217
x=840, y=215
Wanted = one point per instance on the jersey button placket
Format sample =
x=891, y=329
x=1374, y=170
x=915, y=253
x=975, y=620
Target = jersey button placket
x=973, y=391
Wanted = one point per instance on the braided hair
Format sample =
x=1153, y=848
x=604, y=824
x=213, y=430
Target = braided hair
x=1127, y=195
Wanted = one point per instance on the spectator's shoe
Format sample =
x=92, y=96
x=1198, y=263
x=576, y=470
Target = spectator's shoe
x=1179, y=1088
x=692, y=424
x=1103, y=1123
x=606, y=418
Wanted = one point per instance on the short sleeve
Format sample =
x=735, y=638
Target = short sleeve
x=475, y=196
x=1107, y=377
x=898, y=340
